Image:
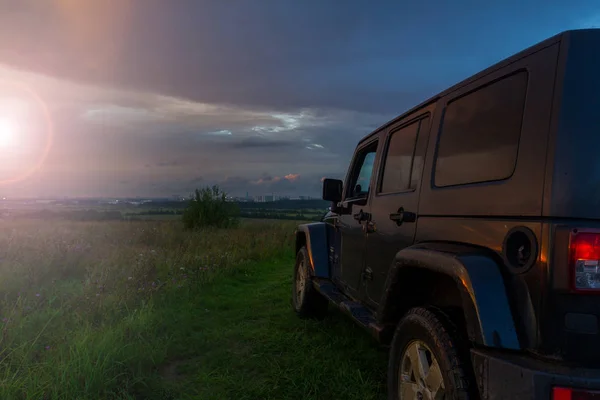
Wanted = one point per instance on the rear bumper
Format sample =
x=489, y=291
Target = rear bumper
x=516, y=377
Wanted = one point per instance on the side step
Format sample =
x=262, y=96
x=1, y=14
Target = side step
x=358, y=312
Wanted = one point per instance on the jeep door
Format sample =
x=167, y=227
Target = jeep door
x=395, y=199
x=351, y=222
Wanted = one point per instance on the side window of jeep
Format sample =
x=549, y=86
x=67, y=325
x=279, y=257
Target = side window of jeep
x=480, y=133
x=398, y=163
x=362, y=171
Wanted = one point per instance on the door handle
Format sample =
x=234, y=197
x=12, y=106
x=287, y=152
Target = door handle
x=361, y=216
x=403, y=216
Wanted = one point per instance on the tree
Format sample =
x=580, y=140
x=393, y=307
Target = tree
x=210, y=208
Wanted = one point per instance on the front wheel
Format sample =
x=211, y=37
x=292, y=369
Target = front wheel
x=306, y=300
x=426, y=360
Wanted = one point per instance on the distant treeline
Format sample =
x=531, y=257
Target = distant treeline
x=269, y=205
x=287, y=205
x=305, y=210
x=276, y=215
x=75, y=215
x=160, y=211
x=303, y=215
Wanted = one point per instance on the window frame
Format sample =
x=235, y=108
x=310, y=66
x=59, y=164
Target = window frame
x=463, y=95
x=416, y=120
x=354, y=171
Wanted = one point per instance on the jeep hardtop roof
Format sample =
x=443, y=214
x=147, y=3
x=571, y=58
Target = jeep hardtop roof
x=523, y=53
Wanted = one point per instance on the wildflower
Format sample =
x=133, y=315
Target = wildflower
x=4, y=319
x=37, y=295
x=47, y=347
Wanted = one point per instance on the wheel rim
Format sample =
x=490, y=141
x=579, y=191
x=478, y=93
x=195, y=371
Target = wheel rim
x=300, y=282
x=420, y=376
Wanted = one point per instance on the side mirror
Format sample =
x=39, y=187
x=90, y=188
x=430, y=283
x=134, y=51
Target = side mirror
x=332, y=190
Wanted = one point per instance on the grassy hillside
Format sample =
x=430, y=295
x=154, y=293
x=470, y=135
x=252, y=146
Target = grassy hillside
x=143, y=310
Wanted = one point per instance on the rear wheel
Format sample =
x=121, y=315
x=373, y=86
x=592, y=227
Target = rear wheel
x=306, y=300
x=427, y=361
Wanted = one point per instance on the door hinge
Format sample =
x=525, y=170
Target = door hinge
x=368, y=274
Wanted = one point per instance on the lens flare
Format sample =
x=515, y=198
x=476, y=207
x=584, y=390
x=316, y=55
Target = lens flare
x=8, y=133
x=9, y=130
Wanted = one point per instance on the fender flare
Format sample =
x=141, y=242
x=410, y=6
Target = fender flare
x=479, y=280
x=314, y=236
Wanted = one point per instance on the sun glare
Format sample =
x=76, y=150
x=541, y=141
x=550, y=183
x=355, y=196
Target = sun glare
x=8, y=133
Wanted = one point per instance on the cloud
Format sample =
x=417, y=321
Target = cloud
x=267, y=179
x=220, y=132
x=260, y=142
x=262, y=56
x=292, y=177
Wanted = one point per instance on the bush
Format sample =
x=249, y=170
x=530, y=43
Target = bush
x=209, y=208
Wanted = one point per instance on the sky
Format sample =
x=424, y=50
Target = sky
x=123, y=98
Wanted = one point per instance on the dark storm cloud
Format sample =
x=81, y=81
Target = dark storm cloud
x=275, y=54
x=260, y=142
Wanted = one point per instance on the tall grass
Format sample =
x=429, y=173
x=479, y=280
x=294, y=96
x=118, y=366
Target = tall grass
x=77, y=298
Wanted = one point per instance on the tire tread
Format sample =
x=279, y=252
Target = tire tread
x=446, y=336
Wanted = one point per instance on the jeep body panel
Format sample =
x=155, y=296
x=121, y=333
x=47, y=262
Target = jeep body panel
x=385, y=237
x=573, y=172
x=570, y=326
x=517, y=376
x=477, y=276
x=521, y=194
x=315, y=236
x=523, y=290
x=348, y=225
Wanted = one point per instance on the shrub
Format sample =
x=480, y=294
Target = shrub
x=209, y=208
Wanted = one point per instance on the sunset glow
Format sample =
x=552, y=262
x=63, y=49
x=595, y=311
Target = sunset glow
x=8, y=133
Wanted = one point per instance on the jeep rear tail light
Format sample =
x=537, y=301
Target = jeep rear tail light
x=559, y=393
x=584, y=261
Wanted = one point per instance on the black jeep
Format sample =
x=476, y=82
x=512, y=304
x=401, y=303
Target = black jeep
x=467, y=233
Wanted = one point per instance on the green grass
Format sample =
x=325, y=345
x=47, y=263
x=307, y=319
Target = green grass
x=144, y=310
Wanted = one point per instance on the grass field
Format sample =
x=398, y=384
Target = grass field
x=144, y=310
